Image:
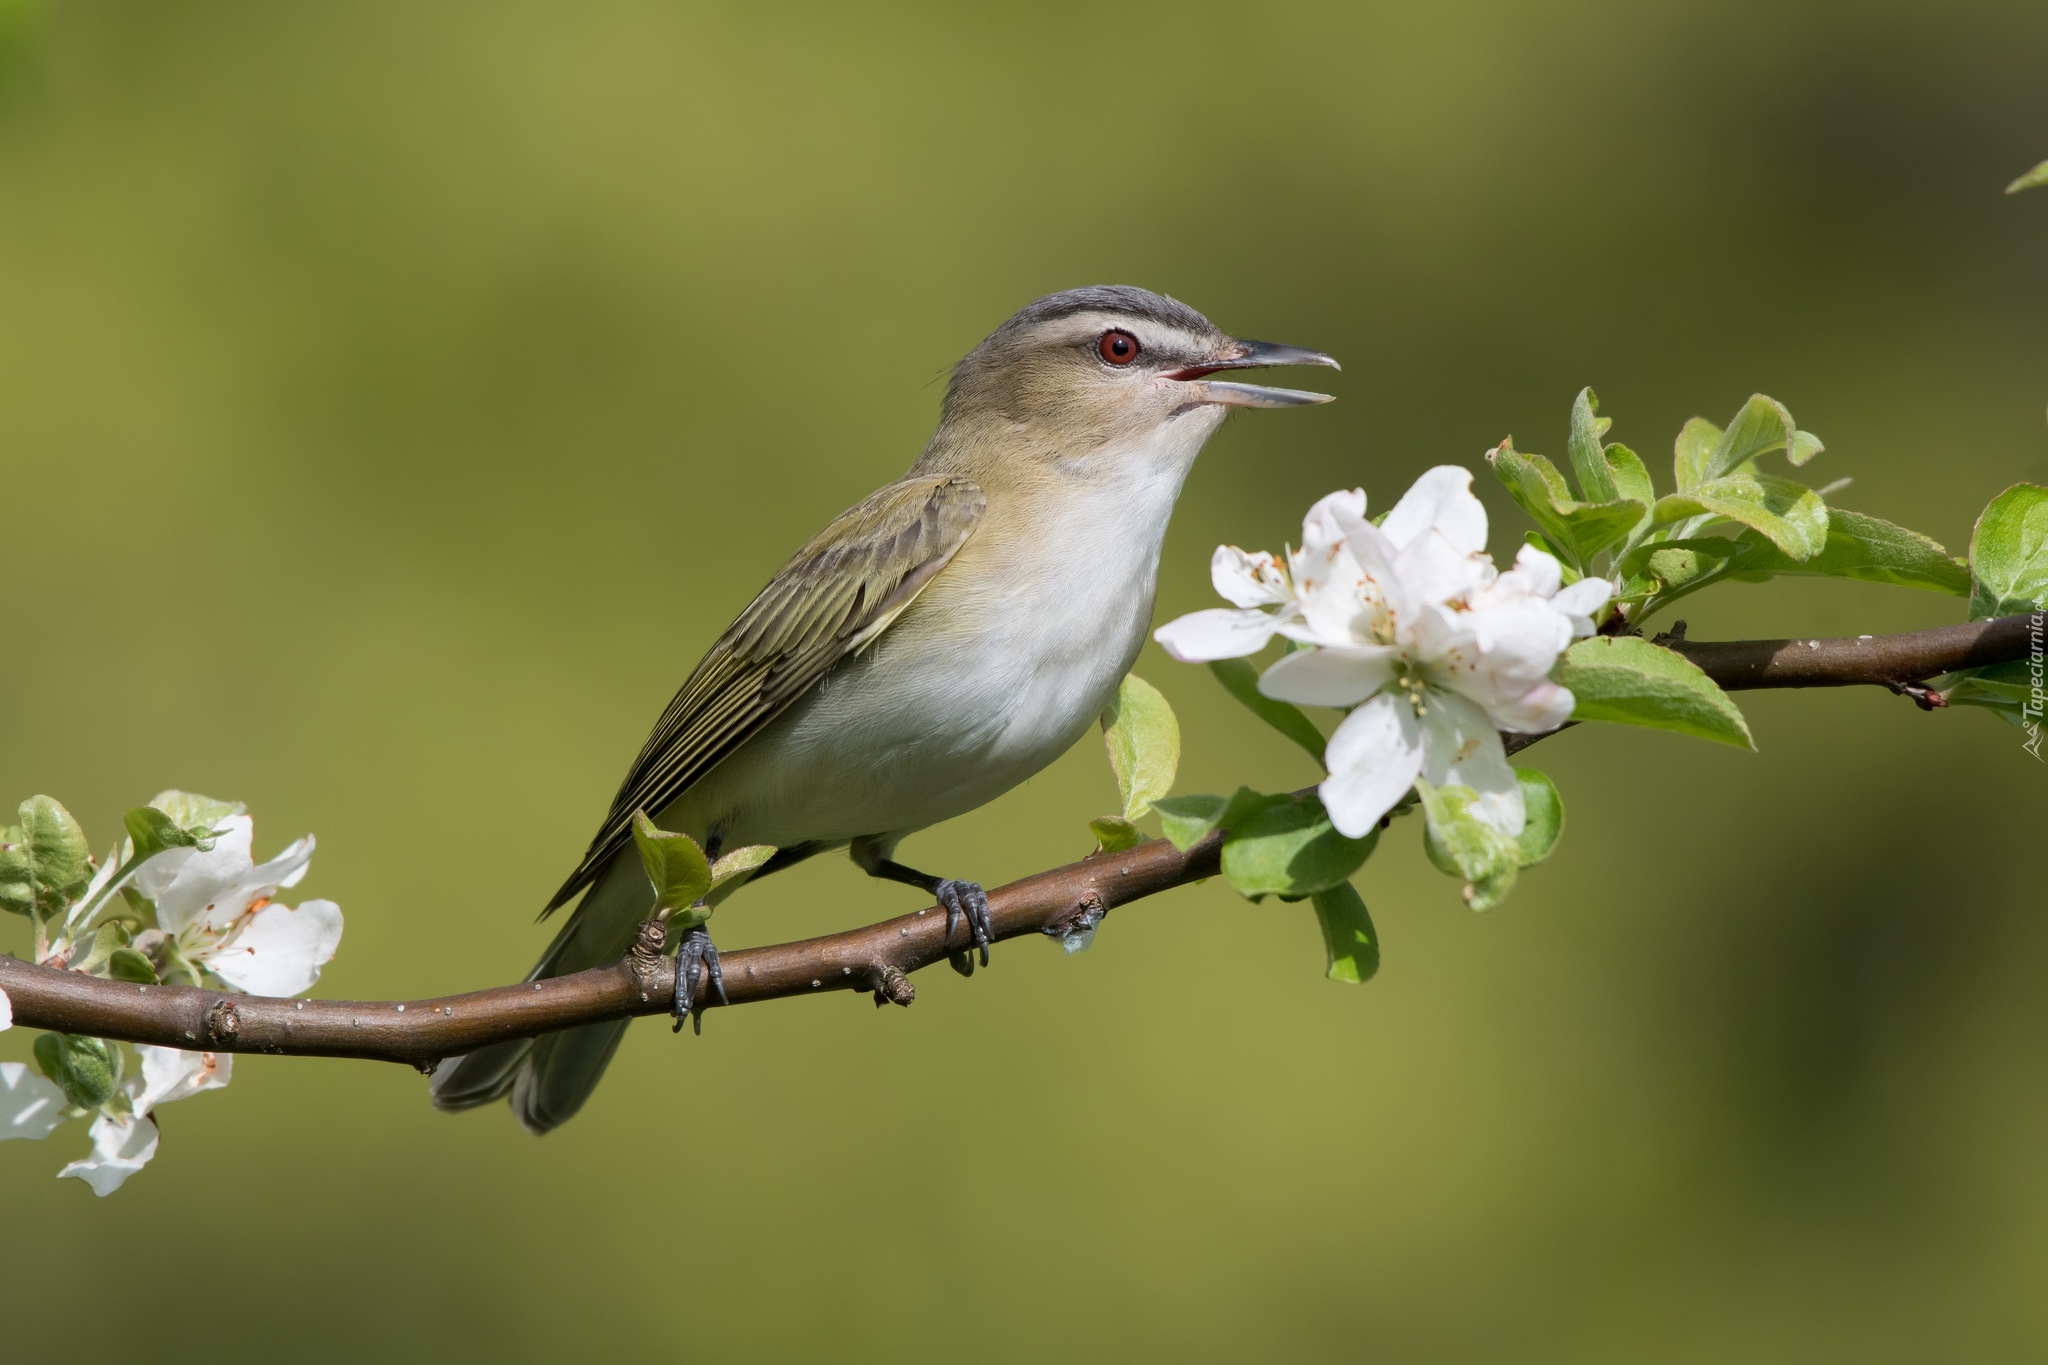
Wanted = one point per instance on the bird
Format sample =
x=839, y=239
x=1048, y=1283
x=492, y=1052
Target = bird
x=940, y=642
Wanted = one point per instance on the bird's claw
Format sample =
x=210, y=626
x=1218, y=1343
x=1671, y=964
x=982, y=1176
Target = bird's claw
x=969, y=900
x=694, y=951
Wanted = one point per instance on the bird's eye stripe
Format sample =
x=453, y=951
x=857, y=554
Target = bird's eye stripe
x=1117, y=347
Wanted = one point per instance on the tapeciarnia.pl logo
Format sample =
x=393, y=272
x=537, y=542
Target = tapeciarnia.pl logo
x=2030, y=709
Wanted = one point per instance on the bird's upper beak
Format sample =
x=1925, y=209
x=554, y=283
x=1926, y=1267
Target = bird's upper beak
x=1253, y=355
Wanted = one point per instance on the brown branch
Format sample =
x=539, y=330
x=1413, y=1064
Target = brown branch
x=877, y=958
x=1893, y=661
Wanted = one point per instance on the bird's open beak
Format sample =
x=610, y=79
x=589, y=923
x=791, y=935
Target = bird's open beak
x=1253, y=355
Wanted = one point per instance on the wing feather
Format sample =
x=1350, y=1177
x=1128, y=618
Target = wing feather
x=831, y=600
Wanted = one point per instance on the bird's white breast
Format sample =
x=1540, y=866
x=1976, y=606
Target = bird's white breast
x=995, y=670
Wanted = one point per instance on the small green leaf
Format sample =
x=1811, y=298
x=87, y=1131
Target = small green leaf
x=1629, y=681
x=1865, y=548
x=1290, y=848
x=1114, y=834
x=1348, y=936
x=46, y=866
x=1464, y=846
x=1241, y=681
x=1579, y=529
x=1790, y=514
x=191, y=811
x=111, y=936
x=151, y=832
x=1761, y=427
x=126, y=964
x=1631, y=477
x=1144, y=744
x=675, y=865
x=733, y=870
x=2009, y=554
x=86, y=1069
x=1542, y=817
x=1693, y=452
x=1596, y=480
x=2036, y=177
x=1187, y=820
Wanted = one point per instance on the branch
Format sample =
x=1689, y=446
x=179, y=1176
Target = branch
x=878, y=958
x=1893, y=661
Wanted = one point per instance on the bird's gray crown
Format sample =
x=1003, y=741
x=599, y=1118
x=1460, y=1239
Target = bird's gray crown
x=1125, y=299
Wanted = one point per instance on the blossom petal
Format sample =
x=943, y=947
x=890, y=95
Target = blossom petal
x=1462, y=749
x=1433, y=570
x=1581, y=600
x=121, y=1146
x=278, y=950
x=1373, y=759
x=1537, y=711
x=1540, y=570
x=1218, y=633
x=169, y=1074
x=30, y=1106
x=1248, y=580
x=1441, y=501
x=1375, y=555
x=1339, y=675
x=6, y=1012
x=259, y=883
x=183, y=881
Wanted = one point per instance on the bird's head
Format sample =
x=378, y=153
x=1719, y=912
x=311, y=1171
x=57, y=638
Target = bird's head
x=1113, y=366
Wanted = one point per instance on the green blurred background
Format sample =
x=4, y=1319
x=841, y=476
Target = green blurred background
x=395, y=399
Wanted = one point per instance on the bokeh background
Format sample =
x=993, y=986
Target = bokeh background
x=395, y=399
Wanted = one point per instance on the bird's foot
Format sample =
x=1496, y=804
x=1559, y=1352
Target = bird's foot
x=969, y=900
x=695, y=951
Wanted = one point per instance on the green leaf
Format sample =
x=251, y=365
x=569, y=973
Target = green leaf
x=1790, y=514
x=1865, y=548
x=1543, y=818
x=1462, y=845
x=151, y=832
x=1693, y=451
x=2032, y=179
x=1187, y=820
x=1144, y=744
x=1629, y=681
x=1241, y=681
x=111, y=936
x=1631, y=477
x=1579, y=529
x=1761, y=427
x=733, y=870
x=126, y=964
x=86, y=1069
x=1290, y=848
x=674, y=863
x=46, y=865
x=2009, y=554
x=1348, y=936
x=1114, y=834
x=1589, y=462
x=191, y=811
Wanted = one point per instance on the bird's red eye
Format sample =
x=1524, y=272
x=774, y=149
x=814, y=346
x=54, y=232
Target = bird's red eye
x=1118, y=347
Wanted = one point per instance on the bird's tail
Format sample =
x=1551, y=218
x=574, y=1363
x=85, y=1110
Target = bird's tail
x=548, y=1078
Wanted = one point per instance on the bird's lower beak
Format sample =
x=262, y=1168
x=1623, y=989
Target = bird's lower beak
x=1251, y=355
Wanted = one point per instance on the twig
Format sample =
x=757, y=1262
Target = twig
x=878, y=958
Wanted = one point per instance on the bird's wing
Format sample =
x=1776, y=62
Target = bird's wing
x=829, y=602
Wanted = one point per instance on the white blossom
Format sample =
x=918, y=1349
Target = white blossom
x=30, y=1105
x=1410, y=627
x=215, y=905
x=122, y=1144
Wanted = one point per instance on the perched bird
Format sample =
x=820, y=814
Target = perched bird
x=940, y=642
